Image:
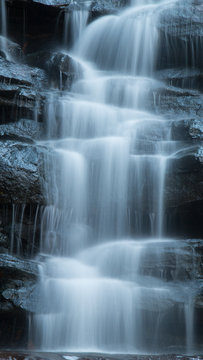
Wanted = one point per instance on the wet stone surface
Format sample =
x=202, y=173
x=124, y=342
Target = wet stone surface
x=61, y=356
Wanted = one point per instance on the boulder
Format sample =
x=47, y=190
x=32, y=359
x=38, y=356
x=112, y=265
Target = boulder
x=60, y=66
x=21, y=173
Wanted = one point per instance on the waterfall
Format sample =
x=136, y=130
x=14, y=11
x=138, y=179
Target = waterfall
x=75, y=22
x=102, y=233
x=125, y=43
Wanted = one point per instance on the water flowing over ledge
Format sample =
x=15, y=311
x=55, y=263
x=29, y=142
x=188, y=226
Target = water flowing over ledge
x=106, y=171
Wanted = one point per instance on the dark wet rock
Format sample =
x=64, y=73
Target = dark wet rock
x=20, y=226
x=183, y=189
x=20, y=91
x=17, y=269
x=172, y=101
x=25, y=298
x=15, y=274
x=180, y=263
x=5, y=306
x=13, y=329
x=34, y=24
x=17, y=103
x=199, y=297
x=19, y=283
x=39, y=24
x=183, y=18
x=3, y=243
x=24, y=130
x=61, y=68
x=21, y=173
x=46, y=3
x=26, y=234
x=187, y=129
x=182, y=77
x=184, y=178
x=183, y=182
x=184, y=219
x=183, y=195
x=181, y=35
x=13, y=50
x=104, y=7
x=100, y=7
x=64, y=68
x=25, y=355
x=20, y=74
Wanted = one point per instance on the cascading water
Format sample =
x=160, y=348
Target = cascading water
x=102, y=234
x=75, y=21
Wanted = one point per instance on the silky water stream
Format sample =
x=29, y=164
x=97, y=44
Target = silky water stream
x=104, y=280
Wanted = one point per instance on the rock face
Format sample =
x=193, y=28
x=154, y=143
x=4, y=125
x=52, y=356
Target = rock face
x=29, y=68
x=182, y=77
x=16, y=275
x=25, y=131
x=21, y=164
x=181, y=32
x=21, y=185
x=49, y=17
x=20, y=88
x=21, y=168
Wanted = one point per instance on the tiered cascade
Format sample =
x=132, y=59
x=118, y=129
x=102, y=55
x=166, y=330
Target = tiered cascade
x=103, y=233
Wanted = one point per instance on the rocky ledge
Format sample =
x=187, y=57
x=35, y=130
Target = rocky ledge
x=31, y=355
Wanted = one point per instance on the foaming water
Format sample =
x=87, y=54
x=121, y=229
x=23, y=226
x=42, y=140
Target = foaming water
x=110, y=281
